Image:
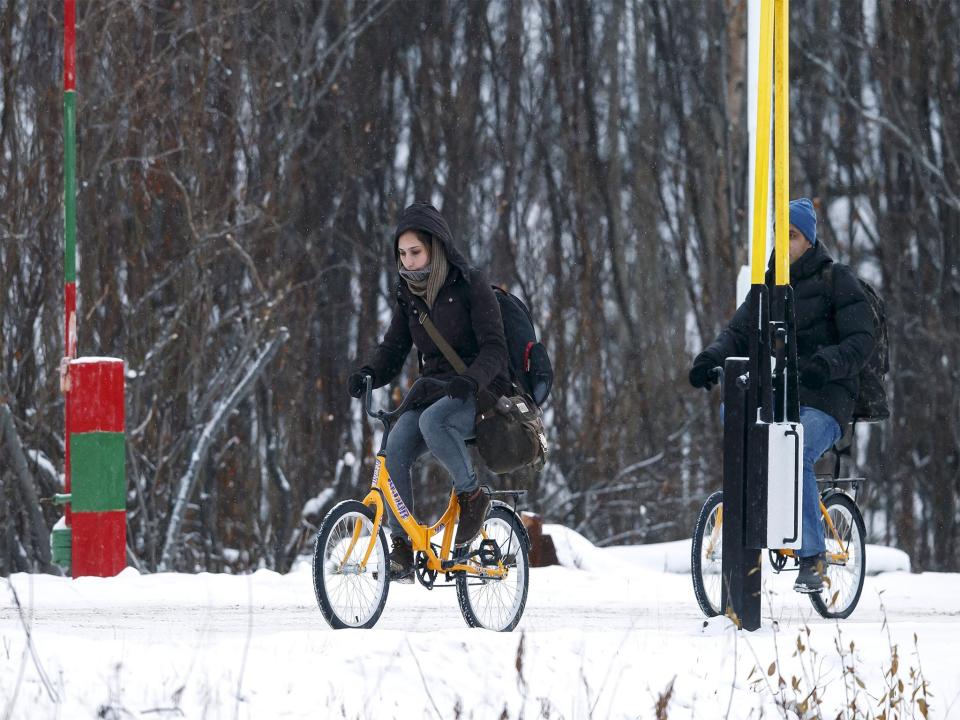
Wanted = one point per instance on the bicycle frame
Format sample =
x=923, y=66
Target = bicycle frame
x=384, y=497
x=832, y=558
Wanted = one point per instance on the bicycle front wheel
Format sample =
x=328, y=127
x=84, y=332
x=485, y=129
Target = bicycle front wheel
x=706, y=555
x=350, y=594
x=498, y=603
x=846, y=559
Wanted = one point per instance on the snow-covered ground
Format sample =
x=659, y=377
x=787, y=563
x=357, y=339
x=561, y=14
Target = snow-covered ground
x=608, y=635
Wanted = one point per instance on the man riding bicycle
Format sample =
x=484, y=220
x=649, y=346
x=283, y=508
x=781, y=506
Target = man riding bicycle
x=835, y=337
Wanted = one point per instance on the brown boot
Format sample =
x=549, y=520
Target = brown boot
x=401, y=559
x=473, y=511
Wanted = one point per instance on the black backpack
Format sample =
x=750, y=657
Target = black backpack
x=871, y=405
x=530, y=367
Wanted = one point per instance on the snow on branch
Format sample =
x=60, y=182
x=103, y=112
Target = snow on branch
x=221, y=412
x=39, y=536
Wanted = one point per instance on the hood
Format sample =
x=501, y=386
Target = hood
x=808, y=264
x=426, y=218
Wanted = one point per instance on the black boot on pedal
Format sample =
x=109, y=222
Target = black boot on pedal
x=401, y=559
x=473, y=511
x=812, y=572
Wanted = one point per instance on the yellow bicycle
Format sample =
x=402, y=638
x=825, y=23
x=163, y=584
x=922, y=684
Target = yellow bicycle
x=845, y=554
x=351, y=563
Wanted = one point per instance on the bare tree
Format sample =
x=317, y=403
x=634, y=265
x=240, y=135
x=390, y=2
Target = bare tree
x=241, y=171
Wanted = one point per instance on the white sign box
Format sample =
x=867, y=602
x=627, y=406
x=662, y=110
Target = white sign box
x=785, y=485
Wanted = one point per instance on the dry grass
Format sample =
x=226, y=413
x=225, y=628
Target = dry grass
x=904, y=692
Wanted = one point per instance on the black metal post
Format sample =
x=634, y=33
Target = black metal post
x=740, y=585
x=760, y=410
x=793, y=385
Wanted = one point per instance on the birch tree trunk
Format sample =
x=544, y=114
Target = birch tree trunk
x=198, y=457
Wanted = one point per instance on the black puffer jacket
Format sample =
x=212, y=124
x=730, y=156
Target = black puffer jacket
x=834, y=322
x=465, y=312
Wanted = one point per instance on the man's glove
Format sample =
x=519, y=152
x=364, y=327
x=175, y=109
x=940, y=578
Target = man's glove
x=816, y=374
x=357, y=382
x=701, y=374
x=462, y=387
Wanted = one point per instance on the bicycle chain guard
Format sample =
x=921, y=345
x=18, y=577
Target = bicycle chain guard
x=777, y=561
x=426, y=576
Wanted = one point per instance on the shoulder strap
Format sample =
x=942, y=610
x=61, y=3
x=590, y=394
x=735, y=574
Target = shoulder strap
x=448, y=352
x=826, y=274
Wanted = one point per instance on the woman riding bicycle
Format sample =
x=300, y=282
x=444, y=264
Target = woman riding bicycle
x=436, y=280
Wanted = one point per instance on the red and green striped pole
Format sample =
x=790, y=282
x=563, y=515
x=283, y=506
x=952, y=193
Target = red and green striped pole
x=70, y=174
x=60, y=537
x=98, y=495
x=91, y=538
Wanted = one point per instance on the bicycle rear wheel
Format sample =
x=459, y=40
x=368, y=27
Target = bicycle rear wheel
x=498, y=603
x=706, y=555
x=846, y=559
x=350, y=596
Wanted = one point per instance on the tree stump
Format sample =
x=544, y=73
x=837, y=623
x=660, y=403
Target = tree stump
x=542, y=550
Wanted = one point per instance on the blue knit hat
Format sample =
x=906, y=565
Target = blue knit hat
x=804, y=218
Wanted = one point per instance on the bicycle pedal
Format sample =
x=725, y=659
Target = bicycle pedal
x=489, y=553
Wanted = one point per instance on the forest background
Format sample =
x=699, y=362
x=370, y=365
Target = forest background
x=241, y=166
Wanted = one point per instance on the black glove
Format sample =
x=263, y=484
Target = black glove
x=816, y=374
x=462, y=387
x=357, y=382
x=701, y=374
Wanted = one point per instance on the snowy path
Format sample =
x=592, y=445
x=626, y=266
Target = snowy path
x=603, y=641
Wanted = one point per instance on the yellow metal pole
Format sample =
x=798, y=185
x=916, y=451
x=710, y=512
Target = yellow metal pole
x=761, y=187
x=781, y=140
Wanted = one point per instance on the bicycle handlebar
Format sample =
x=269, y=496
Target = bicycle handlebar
x=402, y=408
x=717, y=376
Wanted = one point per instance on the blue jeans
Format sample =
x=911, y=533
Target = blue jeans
x=820, y=432
x=442, y=429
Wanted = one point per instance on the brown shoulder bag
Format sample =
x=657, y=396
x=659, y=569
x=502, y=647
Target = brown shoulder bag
x=510, y=434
